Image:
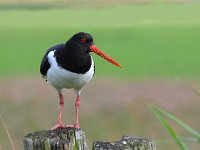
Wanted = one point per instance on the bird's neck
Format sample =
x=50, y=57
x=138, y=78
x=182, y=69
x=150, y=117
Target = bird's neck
x=74, y=60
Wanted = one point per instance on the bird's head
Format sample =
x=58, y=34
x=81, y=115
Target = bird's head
x=85, y=42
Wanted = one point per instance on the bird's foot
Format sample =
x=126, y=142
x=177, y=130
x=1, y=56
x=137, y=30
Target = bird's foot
x=58, y=125
x=73, y=126
x=77, y=126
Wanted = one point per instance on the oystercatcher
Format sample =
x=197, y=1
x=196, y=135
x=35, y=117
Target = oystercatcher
x=70, y=65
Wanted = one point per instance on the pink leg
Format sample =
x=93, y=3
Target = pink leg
x=59, y=123
x=77, y=105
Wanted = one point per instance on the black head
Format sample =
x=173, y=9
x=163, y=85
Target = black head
x=81, y=41
x=84, y=42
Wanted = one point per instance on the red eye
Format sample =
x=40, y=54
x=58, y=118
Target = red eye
x=83, y=40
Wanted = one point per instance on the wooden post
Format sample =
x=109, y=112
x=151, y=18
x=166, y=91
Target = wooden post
x=74, y=139
x=126, y=143
x=59, y=139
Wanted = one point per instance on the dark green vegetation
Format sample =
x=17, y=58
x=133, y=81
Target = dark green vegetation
x=148, y=40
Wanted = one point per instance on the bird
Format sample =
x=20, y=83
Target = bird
x=69, y=65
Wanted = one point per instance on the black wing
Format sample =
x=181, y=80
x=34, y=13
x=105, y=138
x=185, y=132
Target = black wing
x=44, y=66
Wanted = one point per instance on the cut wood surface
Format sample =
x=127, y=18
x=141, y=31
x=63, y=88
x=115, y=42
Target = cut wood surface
x=74, y=139
x=59, y=139
x=126, y=143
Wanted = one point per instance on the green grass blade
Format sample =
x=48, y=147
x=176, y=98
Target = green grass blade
x=11, y=141
x=158, y=115
x=196, y=91
x=181, y=123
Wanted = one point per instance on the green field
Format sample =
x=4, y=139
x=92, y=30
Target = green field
x=158, y=42
x=148, y=40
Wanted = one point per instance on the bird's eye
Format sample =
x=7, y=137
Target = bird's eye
x=83, y=40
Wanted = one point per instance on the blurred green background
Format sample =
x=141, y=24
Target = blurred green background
x=156, y=42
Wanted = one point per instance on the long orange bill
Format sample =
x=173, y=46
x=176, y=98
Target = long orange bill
x=94, y=49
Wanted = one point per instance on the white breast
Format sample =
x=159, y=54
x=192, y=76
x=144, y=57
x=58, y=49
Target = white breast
x=61, y=78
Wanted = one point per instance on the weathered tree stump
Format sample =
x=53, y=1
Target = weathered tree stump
x=74, y=139
x=126, y=143
x=59, y=139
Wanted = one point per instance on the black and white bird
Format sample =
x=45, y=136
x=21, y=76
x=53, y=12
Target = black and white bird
x=70, y=65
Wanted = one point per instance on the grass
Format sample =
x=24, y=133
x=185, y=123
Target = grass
x=7, y=132
x=160, y=113
x=153, y=58
x=171, y=131
x=154, y=40
x=106, y=121
x=179, y=122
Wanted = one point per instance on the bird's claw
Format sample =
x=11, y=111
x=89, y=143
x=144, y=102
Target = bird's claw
x=77, y=126
x=73, y=126
x=58, y=125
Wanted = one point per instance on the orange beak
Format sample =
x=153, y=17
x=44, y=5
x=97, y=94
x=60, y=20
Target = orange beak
x=94, y=49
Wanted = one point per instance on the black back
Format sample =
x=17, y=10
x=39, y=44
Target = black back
x=72, y=56
x=45, y=65
x=77, y=61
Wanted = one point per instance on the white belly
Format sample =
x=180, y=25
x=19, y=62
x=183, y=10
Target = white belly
x=61, y=78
